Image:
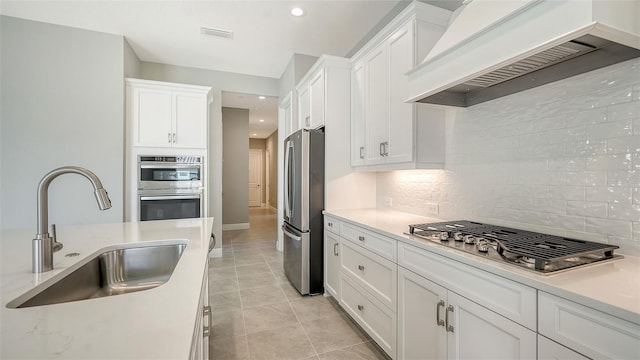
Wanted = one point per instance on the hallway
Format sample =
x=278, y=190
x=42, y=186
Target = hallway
x=257, y=314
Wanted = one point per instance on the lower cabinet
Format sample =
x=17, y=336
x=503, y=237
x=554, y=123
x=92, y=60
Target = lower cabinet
x=436, y=323
x=202, y=328
x=332, y=264
x=551, y=350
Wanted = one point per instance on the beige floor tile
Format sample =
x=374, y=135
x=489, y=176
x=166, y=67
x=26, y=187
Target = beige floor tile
x=223, y=286
x=364, y=351
x=290, y=292
x=249, y=260
x=221, y=262
x=252, y=269
x=224, y=273
x=235, y=348
x=256, y=280
x=313, y=308
x=225, y=301
x=273, y=257
x=261, y=296
x=280, y=344
x=228, y=324
x=333, y=333
x=240, y=252
x=269, y=317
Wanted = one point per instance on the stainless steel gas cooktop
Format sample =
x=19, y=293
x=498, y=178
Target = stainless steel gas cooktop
x=541, y=253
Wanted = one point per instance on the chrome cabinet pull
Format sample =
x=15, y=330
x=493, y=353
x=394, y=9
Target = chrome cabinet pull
x=439, y=321
x=360, y=307
x=361, y=152
x=307, y=120
x=330, y=224
x=206, y=332
x=361, y=267
x=169, y=137
x=448, y=326
x=335, y=249
x=175, y=138
x=381, y=149
x=361, y=238
x=386, y=148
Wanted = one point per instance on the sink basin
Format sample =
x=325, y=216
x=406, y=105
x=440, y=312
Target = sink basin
x=112, y=272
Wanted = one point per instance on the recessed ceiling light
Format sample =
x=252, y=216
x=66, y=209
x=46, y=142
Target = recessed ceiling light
x=261, y=97
x=254, y=134
x=216, y=32
x=261, y=120
x=297, y=11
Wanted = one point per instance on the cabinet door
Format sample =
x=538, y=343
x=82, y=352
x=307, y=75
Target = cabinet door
x=401, y=122
x=377, y=105
x=357, y=114
x=332, y=264
x=304, y=107
x=551, y=350
x=477, y=332
x=190, y=122
x=152, y=117
x=316, y=100
x=421, y=303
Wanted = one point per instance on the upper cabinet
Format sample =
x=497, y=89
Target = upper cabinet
x=168, y=115
x=324, y=81
x=386, y=131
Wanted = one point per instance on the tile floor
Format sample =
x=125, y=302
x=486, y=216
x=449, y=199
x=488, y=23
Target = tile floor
x=257, y=314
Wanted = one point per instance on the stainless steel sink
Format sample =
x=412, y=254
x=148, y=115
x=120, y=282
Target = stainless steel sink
x=109, y=273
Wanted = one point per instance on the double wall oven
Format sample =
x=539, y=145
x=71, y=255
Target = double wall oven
x=170, y=187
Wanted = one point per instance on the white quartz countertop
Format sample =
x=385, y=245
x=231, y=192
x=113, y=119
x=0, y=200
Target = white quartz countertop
x=154, y=324
x=612, y=287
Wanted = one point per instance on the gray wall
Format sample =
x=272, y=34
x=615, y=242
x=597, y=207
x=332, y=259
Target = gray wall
x=62, y=104
x=219, y=81
x=261, y=144
x=272, y=148
x=235, y=166
x=132, y=64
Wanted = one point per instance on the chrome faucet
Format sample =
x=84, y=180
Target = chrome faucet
x=44, y=245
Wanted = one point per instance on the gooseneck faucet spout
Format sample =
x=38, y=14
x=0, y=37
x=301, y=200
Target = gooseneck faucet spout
x=44, y=245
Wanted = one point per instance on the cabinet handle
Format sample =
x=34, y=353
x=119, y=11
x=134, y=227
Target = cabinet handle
x=381, y=149
x=361, y=267
x=439, y=321
x=175, y=138
x=307, y=121
x=206, y=332
x=361, y=152
x=330, y=224
x=448, y=326
x=169, y=137
x=386, y=148
x=361, y=238
x=360, y=307
x=335, y=249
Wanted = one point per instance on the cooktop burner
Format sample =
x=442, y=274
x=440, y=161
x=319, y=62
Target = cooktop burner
x=541, y=253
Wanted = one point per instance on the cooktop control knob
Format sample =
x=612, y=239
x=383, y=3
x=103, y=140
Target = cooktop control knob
x=457, y=236
x=469, y=239
x=482, y=244
x=444, y=236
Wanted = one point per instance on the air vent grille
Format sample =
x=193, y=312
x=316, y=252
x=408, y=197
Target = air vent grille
x=532, y=63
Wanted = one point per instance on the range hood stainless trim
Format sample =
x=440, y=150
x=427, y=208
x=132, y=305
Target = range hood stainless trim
x=586, y=48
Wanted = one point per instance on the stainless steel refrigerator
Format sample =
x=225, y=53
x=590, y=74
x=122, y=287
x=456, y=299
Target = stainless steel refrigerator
x=303, y=205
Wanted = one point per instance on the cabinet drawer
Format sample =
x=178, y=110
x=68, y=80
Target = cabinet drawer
x=550, y=350
x=331, y=224
x=587, y=331
x=373, y=272
x=508, y=298
x=378, y=321
x=379, y=244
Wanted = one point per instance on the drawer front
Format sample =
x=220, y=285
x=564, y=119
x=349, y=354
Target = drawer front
x=550, y=350
x=331, y=224
x=375, y=319
x=373, y=272
x=587, y=331
x=378, y=244
x=510, y=299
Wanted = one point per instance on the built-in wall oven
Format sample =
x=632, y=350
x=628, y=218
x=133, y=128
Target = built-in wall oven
x=170, y=187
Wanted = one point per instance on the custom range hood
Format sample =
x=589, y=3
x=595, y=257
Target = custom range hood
x=494, y=48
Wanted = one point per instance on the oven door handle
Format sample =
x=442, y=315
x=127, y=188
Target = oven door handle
x=169, y=197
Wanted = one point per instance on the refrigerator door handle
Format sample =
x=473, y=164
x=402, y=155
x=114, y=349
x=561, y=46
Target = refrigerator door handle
x=291, y=185
x=287, y=185
x=293, y=236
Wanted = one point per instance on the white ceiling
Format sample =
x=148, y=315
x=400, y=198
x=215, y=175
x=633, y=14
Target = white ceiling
x=265, y=34
x=259, y=109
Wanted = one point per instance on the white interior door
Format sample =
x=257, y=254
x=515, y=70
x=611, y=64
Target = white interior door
x=255, y=177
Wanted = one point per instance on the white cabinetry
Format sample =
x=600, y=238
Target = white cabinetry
x=167, y=115
x=327, y=79
x=392, y=128
x=202, y=329
x=332, y=259
x=585, y=330
x=551, y=350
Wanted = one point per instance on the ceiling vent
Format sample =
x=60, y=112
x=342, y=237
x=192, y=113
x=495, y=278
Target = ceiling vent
x=216, y=32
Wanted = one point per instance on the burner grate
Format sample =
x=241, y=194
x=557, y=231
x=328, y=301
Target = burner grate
x=542, y=248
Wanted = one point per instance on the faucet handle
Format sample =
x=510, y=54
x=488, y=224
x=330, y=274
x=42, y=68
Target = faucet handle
x=57, y=246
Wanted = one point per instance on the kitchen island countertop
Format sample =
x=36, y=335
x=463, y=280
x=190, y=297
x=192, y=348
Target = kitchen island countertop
x=153, y=324
x=612, y=287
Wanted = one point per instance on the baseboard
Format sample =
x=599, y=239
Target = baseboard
x=264, y=205
x=215, y=253
x=242, y=226
x=273, y=209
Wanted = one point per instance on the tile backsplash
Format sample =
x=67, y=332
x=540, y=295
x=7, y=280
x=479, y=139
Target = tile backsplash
x=563, y=158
